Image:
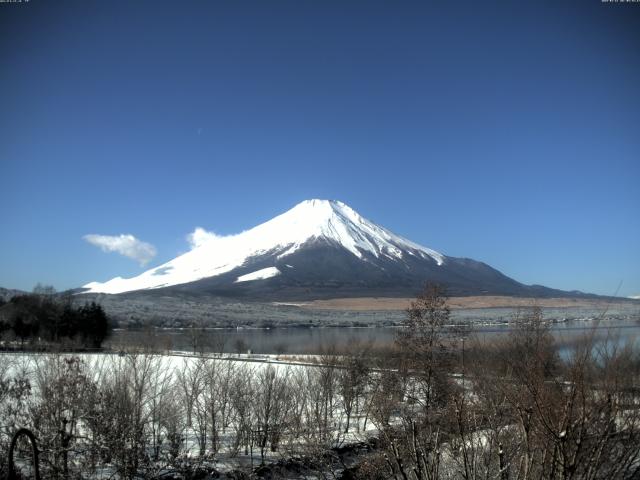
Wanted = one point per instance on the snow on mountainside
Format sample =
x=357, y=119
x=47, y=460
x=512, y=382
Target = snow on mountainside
x=311, y=220
x=259, y=274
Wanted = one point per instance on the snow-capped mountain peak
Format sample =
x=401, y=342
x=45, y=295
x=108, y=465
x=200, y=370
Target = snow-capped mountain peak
x=337, y=221
x=329, y=221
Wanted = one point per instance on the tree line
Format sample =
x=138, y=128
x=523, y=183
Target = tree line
x=43, y=317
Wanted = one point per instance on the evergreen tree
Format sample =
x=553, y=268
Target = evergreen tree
x=94, y=324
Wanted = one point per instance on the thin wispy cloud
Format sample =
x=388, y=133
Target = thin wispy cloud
x=200, y=236
x=125, y=244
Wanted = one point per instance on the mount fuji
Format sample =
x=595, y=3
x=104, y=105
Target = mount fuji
x=318, y=249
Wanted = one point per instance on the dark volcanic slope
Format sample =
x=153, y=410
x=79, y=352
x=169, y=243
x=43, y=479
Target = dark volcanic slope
x=324, y=270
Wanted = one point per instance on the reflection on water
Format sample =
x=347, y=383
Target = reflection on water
x=316, y=340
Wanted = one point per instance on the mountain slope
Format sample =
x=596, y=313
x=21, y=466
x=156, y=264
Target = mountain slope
x=282, y=236
x=318, y=249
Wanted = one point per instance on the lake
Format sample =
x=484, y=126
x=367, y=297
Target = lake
x=316, y=340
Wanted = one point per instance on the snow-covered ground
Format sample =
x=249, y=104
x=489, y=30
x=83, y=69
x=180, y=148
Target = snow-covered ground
x=169, y=376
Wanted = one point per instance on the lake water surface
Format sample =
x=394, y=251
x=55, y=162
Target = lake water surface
x=317, y=340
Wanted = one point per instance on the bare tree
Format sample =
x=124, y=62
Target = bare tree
x=15, y=395
x=56, y=416
x=271, y=408
x=192, y=382
x=352, y=380
x=242, y=396
x=218, y=378
x=423, y=353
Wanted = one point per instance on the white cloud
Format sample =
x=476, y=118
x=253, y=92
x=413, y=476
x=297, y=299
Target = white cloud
x=201, y=236
x=127, y=245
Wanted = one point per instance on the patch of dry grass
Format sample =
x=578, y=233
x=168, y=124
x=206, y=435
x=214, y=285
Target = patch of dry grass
x=380, y=303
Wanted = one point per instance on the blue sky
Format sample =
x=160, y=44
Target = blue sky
x=508, y=132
